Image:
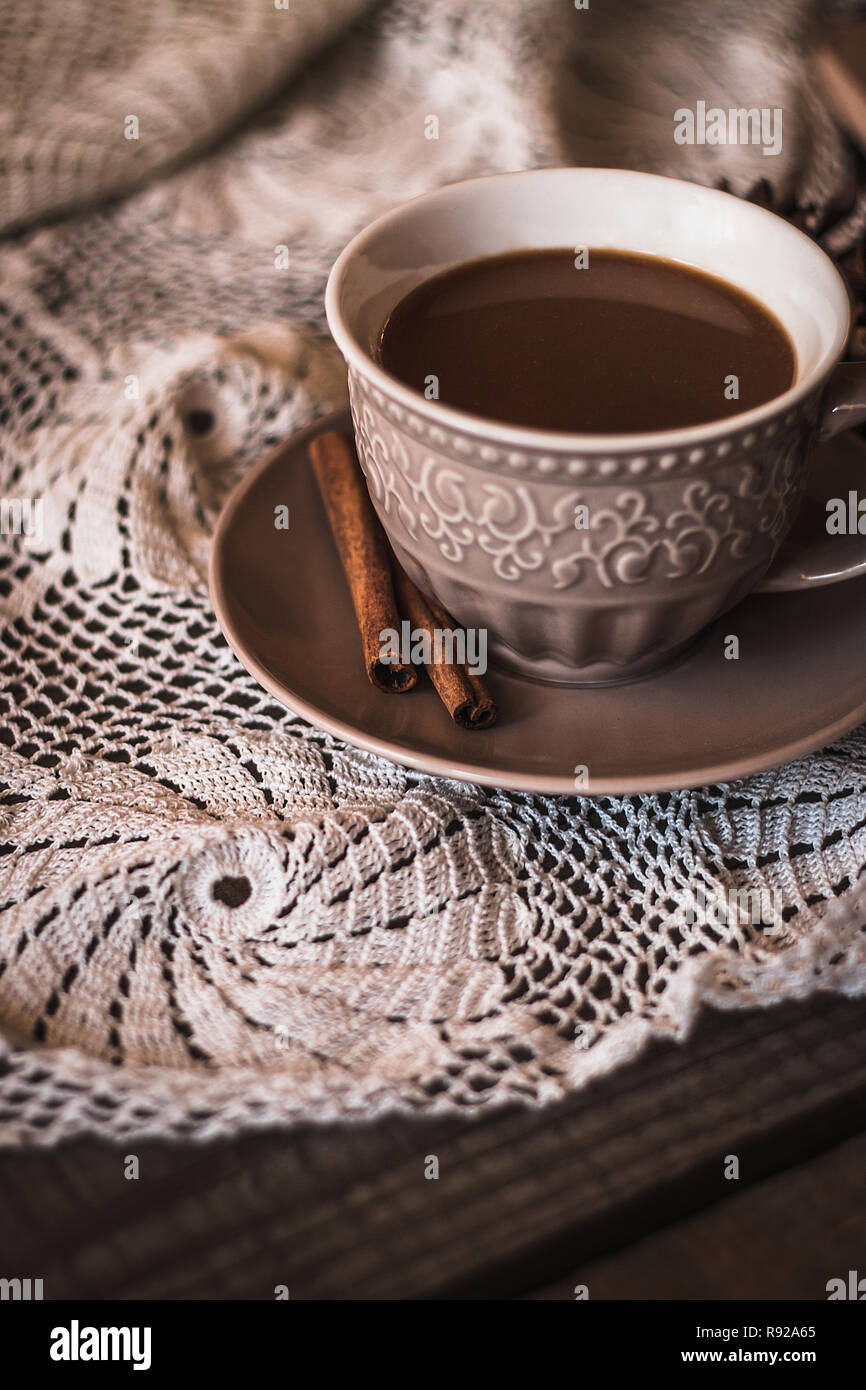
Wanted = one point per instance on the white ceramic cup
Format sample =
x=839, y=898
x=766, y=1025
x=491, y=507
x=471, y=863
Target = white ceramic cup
x=684, y=522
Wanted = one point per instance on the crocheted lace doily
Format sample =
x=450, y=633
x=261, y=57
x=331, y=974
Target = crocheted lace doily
x=211, y=914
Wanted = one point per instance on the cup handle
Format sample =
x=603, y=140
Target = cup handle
x=807, y=561
x=844, y=402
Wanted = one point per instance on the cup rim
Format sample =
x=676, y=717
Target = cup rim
x=558, y=441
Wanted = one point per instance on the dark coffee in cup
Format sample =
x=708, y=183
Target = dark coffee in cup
x=602, y=341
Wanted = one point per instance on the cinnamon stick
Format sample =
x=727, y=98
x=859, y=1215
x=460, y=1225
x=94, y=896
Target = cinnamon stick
x=364, y=554
x=464, y=695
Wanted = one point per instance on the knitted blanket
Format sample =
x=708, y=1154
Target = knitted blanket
x=211, y=914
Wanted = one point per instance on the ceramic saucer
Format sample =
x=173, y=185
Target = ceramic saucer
x=799, y=681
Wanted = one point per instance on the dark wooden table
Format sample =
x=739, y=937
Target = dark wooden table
x=622, y=1189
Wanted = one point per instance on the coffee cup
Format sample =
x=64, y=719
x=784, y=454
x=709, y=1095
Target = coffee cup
x=684, y=522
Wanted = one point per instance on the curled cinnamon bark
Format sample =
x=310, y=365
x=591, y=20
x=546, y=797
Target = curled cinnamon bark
x=364, y=554
x=464, y=695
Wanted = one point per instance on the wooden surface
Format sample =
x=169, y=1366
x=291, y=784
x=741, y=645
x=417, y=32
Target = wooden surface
x=783, y=1238
x=622, y=1189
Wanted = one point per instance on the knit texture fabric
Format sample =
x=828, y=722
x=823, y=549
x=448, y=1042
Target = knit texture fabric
x=211, y=914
